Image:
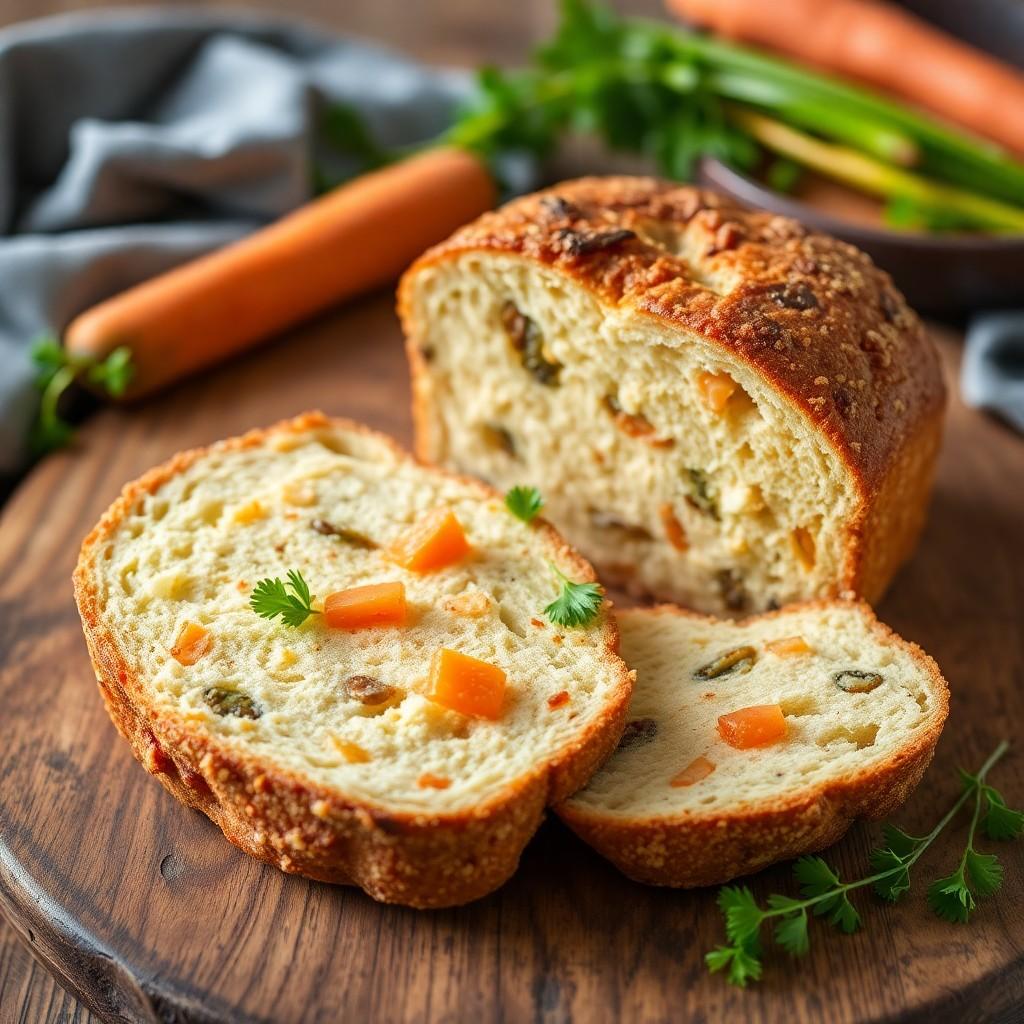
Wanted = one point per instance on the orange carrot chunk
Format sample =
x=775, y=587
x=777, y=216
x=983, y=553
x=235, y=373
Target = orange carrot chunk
x=788, y=646
x=699, y=768
x=757, y=726
x=430, y=781
x=716, y=389
x=435, y=541
x=802, y=542
x=352, y=752
x=192, y=643
x=467, y=685
x=378, y=604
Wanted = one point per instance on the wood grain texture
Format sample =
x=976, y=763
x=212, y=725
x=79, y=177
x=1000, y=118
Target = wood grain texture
x=28, y=992
x=144, y=910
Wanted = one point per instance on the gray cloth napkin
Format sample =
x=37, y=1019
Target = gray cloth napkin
x=992, y=373
x=132, y=141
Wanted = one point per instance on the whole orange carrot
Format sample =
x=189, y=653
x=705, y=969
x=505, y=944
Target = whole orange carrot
x=357, y=237
x=878, y=43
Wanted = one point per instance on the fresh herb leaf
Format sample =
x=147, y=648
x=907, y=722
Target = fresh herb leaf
x=576, y=605
x=742, y=964
x=977, y=874
x=825, y=895
x=895, y=880
x=1001, y=822
x=791, y=933
x=524, y=503
x=984, y=871
x=675, y=95
x=270, y=598
x=56, y=371
x=898, y=841
x=743, y=916
x=839, y=912
x=950, y=898
x=48, y=356
x=815, y=876
x=115, y=373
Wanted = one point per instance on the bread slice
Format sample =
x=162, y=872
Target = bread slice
x=721, y=408
x=676, y=805
x=316, y=749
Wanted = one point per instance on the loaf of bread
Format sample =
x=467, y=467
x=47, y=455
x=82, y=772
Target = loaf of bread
x=721, y=408
x=329, y=751
x=757, y=741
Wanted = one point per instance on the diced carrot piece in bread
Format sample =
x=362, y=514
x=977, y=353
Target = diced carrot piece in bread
x=675, y=532
x=756, y=726
x=352, y=752
x=467, y=685
x=377, y=604
x=192, y=643
x=434, y=542
x=716, y=389
x=250, y=512
x=803, y=547
x=788, y=646
x=699, y=768
x=429, y=781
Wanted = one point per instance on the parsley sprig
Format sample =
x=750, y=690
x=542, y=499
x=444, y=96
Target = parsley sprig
x=271, y=598
x=675, y=95
x=56, y=370
x=524, y=503
x=825, y=895
x=977, y=874
x=577, y=604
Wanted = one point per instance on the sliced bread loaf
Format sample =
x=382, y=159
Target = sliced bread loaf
x=721, y=408
x=757, y=741
x=341, y=749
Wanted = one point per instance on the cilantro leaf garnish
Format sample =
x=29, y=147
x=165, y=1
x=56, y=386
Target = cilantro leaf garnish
x=524, y=503
x=953, y=897
x=271, y=598
x=576, y=605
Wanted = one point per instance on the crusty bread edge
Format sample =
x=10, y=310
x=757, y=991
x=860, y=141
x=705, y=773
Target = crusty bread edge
x=897, y=477
x=285, y=819
x=715, y=847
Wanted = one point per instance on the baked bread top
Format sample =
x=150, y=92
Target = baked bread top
x=341, y=720
x=848, y=713
x=812, y=314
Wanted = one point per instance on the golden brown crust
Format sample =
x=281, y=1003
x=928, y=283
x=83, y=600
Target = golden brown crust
x=289, y=821
x=709, y=849
x=811, y=315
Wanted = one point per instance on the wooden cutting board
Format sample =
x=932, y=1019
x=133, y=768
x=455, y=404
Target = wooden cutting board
x=143, y=910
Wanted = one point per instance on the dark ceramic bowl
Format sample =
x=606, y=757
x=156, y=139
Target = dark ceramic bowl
x=937, y=273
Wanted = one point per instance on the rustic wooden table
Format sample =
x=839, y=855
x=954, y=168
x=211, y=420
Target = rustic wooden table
x=976, y=524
